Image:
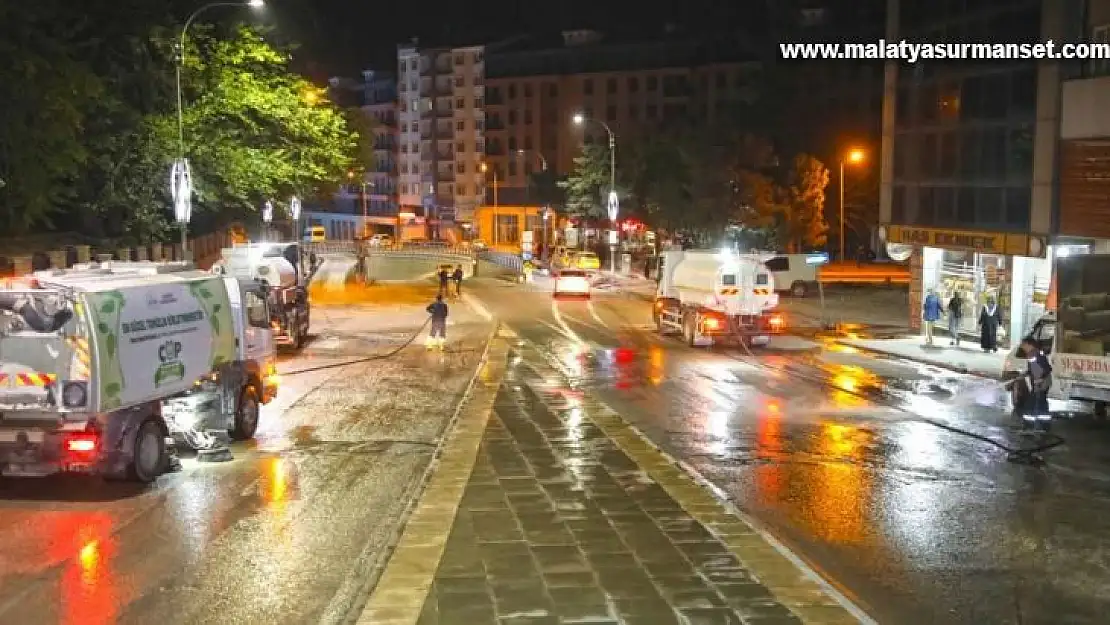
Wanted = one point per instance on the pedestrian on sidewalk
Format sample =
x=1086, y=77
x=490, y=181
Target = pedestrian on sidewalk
x=437, y=336
x=1039, y=378
x=458, y=277
x=930, y=314
x=990, y=318
x=955, y=317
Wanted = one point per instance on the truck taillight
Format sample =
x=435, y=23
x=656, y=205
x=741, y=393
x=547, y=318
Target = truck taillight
x=81, y=443
x=711, y=323
x=776, y=321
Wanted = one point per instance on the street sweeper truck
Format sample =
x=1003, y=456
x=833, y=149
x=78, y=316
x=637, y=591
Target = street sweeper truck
x=102, y=366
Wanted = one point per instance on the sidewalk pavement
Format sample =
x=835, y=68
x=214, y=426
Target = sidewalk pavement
x=967, y=358
x=544, y=513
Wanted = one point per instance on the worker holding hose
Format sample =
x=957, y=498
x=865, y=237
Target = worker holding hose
x=437, y=336
x=1039, y=378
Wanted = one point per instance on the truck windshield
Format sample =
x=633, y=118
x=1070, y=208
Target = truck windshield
x=728, y=279
x=761, y=279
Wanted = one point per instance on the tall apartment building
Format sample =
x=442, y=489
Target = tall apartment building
x=533, y=95
x=440, y=99
x=380, y=105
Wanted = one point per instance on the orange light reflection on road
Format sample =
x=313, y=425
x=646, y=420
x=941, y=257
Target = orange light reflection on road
x=88, y=584
x=656, y=364
x=835, y=508
x=770, y=475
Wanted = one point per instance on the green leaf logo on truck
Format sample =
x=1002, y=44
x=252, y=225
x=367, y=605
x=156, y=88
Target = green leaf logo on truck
x=155, y=340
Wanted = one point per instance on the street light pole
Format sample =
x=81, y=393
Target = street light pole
x=854, y=156
x=546, y=210
x=613, y=202
x=181, y=166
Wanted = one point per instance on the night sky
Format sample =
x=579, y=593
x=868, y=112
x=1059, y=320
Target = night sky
x=342, y=37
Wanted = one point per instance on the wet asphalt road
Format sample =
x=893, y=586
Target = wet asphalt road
x=914, y=523
x=288, y=532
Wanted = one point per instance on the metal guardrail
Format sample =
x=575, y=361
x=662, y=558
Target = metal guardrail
x=504, y=259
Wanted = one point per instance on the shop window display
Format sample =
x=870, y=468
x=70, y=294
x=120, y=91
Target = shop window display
x=976, y=278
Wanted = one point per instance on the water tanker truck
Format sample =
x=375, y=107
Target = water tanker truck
x=280, y=266
x=104, y=365
x=709, y=296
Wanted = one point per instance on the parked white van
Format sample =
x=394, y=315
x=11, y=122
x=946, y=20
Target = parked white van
x=793, y=274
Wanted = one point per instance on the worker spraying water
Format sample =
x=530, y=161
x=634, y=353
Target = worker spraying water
x=437, y=336
x=1031, y=396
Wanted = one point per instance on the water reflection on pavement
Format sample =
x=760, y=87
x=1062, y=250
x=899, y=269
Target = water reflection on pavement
x=824, y=447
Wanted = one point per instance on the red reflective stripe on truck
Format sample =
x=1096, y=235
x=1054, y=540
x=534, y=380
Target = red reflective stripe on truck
x=3, y=378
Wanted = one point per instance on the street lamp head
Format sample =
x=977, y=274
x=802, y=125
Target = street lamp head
x=856, y=155
x=256, y=4
x=351, y=174
x=578, y=119
x=483, y=167
x=520, y=151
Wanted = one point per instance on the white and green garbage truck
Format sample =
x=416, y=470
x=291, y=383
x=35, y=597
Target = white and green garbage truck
x=104, y=366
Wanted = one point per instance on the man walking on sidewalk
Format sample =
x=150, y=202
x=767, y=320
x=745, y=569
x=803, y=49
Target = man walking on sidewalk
x=437, y=336
x=929, y=315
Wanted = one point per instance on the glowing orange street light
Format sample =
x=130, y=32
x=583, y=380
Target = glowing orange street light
x=854, y=156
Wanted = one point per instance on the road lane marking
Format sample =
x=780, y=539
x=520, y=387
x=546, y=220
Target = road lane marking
x=593, y=313
x=793, y=582
x=563, y=324
x=399, y=596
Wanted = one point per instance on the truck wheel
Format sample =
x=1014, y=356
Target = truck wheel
x=799, y=289
x=688, y=330
x=148, y=454
x=246, y=415
x=1100, y=410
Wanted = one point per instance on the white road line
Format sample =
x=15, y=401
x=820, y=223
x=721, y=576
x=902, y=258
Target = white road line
x=593, y=313
x=557, y=330
x=563, y=324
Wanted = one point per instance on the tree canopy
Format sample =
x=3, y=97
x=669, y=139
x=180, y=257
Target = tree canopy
x=701, y=179
x=88, y=125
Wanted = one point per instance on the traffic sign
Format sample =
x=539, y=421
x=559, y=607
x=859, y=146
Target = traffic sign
x=613, y=206
x=819, y=258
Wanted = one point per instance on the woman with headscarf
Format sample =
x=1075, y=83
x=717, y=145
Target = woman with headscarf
x=990, y=317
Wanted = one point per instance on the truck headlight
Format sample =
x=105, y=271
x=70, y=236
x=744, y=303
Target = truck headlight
x=75, y=394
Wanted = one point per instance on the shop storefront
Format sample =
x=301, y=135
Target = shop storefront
x=1012, y=270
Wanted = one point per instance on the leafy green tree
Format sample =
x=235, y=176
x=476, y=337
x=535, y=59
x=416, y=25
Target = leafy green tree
x=45, y=88
x=587, y=185
x=254, y=131
x=805, y=196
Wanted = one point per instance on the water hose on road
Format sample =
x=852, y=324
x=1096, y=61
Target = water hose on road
x=393, y=352
x=1018, y=455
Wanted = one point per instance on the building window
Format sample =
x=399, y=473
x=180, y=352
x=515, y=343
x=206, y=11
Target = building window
x=1099, y=67
x=652, y=111
x=459, y=59
x=460, y=125
x=527, y=143
x=512, y=165
x=632, y=112
x=494, y=93
x=588, y=86
x=552, y=90
x=460, y=103
x=588, y=112
x=459, y=81
x=464, y=189
x=405, y=148
x=653, y=83
x=512, y=118
x=528, y=117
x=512, y=144
x=611, y=85
x=633, y=84
x=528, y=168
x=478, y=56
x=460, y=147
x=480, y=146
x=1017, y=208
x=479, y=102
x=460, y=167
x=404, y=66
x=527, y=90
x=611, y=113
x=512, y=91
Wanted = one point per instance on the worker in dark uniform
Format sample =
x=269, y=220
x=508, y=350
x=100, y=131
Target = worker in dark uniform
x=444, y=277
x=457, y=277
x=437, y=337
x=1039, y=380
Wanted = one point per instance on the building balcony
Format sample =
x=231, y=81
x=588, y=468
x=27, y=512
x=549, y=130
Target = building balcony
x=437, y=91
x=495, y=150
x=1085, y=108
x=494, y=124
